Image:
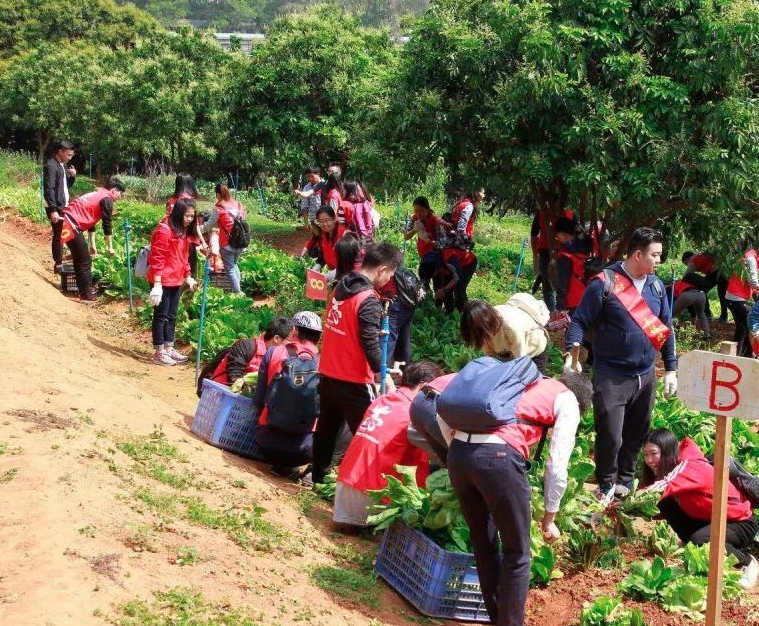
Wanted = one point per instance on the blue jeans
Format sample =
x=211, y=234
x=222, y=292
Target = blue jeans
x=490, y=482
x=230, y=256
x=399, y=341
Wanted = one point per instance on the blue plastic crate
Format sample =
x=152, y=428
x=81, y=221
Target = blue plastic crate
x=226, y=420
x=437, y=582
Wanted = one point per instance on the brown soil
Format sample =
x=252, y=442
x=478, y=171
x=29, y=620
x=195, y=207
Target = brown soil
x=77, y=542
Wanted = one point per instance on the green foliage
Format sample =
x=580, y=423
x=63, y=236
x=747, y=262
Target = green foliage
x=543, y=566
x=608, y=611
x=326, y=489
x=664, y=542
x=435, y=336
x=348, y=584
x=590, y=548
x=647, y=580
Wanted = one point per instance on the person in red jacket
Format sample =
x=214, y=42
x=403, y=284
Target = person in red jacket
x=334, y=192
x=426, y=226
x=379, y=444
x=465, y=213
x=285, y=450
x=168, y=270
x=351, y=354
x=541, y=255
x=82, y=215
x=702, y=273
x=740, y=289
x=330, y=233
x=686, y=479
x=185, y=189
x=689, y=296
x=454, y=273
x=226, y=210
x=245, y=355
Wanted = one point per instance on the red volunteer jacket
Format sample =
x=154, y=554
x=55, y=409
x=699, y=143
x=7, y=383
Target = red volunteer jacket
x=85, y=210
x=327, y=244
x=702, y=262
x=536, y=406
x=226, y=221
x=430, y=227
x=381, y=442
x=173, y=200
x=343, y=357
x=344, y=213
x=333, y=199
x=576, y=286
x=542, y=238
x=739, y=287
x=681, y=286
x=464, y=257
x=168, y=256
x=275, y=366
x=220, y=373
x=691, y=484
x=457, y=210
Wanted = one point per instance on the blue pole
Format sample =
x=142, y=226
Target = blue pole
x=90, y=166
x=42, y=199
x=384, y=339
x=128, y=260
x=519, y=265
x=206, y=275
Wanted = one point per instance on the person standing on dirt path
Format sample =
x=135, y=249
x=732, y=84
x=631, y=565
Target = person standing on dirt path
x=627, y=307
x=488, y=472
x=82, y=215
x=168, y=270
x=311, y=194
x=57, y=178
x=351, y=353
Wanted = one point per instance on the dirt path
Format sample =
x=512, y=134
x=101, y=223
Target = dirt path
x=107, y=497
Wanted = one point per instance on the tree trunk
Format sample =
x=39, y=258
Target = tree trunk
x=43, y=140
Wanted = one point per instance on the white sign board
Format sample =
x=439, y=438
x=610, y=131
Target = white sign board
x=720, y=384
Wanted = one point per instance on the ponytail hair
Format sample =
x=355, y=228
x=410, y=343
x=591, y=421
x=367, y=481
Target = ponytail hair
x=222, y=191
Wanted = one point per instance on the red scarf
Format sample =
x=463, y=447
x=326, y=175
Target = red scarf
x=656, y=331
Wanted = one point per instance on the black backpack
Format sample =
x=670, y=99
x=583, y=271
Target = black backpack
x=292, y=398
x=239, y=236
x=409, y=287
x=209, y=368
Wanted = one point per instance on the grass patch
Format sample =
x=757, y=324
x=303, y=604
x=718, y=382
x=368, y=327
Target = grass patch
x=159, y=472
x=181, y=606
x=8, y=475
x=3, y=447
x=145, y=448
x=306, y=500
x=165, y=505
x=348, y=584
x=348, y=555
x=239, y=484
x=187, y=555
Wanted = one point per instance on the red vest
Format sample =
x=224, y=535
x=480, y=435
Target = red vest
x=535, y=406
x=738, y=287
x=702, y=262
x=275, y=365
x=543, y=234
x=85, y=210
x=168, y=257
x=173, y=200
x=381, y=442
x=220, y=373
x=681, y=286
x=457, y=210
x=226, y=221
x=344, y=213
x=464, y=257
x=343, y=357
x=692, y=487
x=328, y=246
x=430, y=226
x=576, y=286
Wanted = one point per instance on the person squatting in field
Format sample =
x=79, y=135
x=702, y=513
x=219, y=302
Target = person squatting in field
x=168, y=270
x=627, y=308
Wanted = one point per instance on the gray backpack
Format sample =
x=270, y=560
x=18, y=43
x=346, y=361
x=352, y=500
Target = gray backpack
x=141, y=262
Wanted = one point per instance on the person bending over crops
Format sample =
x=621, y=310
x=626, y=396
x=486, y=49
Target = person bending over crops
x=82, y=215
x=244, y=356
x=168, y=270
x=508, y=330
x=379, y=444
x=286, y=396
x=330, y=232
x=488, y=471
x=427, y=227
x=351, y=355
x=686, y=479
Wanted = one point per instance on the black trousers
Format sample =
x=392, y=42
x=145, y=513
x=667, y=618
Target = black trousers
x=456, y=298
x=741, y=336
x=399, y=341
x=738, y=535
x=427, y=267
x=340, y=402
x=165, y=317
x=55, y=243
x=80, y=255
x=622, y=408
x=549, y=294
x=490, y=481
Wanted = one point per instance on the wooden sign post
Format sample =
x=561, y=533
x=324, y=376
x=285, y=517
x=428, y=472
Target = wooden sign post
x=725, y=385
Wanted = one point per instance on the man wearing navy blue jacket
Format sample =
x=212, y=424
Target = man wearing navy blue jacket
x=629, y=313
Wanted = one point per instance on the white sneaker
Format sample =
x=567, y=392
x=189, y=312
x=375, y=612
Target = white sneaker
x=161, y=357
x=750, y=574
x=177, y=356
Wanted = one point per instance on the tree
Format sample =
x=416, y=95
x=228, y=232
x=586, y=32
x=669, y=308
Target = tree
x=633, y=111
x=297, y=100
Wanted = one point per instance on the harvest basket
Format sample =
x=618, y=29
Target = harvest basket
x=68, y=279
x=226, y=420
x=437, y=582
x=220, y=280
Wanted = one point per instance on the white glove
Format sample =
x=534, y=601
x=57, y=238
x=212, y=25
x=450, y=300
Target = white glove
x=670, y=383
x=191, y=283
x=569, y=369
x=156, y=293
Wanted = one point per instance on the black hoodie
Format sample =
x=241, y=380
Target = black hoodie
x=369, y=316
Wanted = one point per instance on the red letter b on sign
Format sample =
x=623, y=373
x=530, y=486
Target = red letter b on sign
x=732, y=385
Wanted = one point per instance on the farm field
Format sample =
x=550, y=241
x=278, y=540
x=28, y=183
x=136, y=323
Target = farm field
x=116, y=514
